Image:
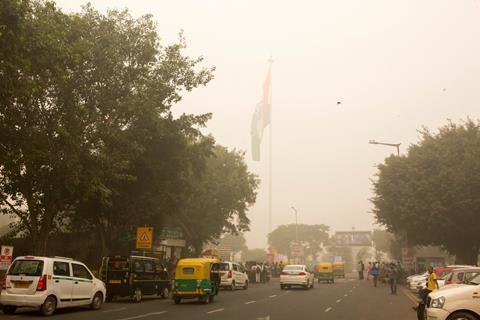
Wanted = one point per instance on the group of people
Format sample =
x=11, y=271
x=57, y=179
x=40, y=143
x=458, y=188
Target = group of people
x=377, y=270
x=258, y=272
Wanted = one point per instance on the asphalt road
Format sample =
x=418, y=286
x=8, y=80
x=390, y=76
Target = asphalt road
x=346, y=299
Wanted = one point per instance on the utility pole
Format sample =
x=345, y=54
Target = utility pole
x=296, y=224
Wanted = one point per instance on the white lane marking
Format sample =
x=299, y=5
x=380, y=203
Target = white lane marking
x=272, y=296
x=351, y=291
x=288, y=291
x=144, y=315
x=115, y=310
x=250, y=302
x=214, y=311
x=339, y=300
x=345, y=295
x=266, y=318
x=328, y=309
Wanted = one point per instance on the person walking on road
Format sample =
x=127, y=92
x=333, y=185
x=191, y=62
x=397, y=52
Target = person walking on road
x=393, y=275
x=360, y=268
x=375, y=271
x=369, y=269
x=432, y=285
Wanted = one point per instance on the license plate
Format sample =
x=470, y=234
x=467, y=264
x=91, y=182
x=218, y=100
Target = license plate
x=21, y=285
x=115, y=281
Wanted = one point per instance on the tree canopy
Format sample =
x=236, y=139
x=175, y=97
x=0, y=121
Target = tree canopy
x=431, y=195
x=88, y=141
x=310, y=236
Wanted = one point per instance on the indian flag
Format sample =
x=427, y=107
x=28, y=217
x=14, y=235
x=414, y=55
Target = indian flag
x=261, y=118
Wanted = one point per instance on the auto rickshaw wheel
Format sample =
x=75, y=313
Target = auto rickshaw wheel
x=203, y=300
x=177, y=300
x=211, y=298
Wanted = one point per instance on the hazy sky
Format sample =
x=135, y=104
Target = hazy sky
x=394, y=65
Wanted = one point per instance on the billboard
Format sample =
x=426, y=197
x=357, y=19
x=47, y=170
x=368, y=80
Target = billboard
x=353, y=238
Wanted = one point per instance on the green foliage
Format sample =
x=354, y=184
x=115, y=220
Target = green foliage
x=258, y=255
x=430, y=196
x=310, y=236
x=88, y=142
x=235, y=241
x=219, y=198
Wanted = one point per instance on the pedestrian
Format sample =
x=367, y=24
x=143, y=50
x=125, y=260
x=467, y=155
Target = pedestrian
x=431, y=285
x=375, y=271
x=360, y=270
x=369, y=269
x=393, y=274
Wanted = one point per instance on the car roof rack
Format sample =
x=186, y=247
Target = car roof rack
x=65, y=258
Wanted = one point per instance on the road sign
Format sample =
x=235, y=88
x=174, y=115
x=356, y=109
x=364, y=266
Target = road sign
x=144, y=237
x=6, y=257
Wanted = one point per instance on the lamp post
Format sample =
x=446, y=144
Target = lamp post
x=296, y=224
x=396, y=145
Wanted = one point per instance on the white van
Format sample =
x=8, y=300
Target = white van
x=455, y=302
x=232, y=276
x=49, y=284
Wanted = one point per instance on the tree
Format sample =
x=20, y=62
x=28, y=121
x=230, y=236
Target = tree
x=87, y=136
x=38, y=149
x=258, y=255
x=310, y=236
x=235, y=241
x=430, y=196
x=219, y=198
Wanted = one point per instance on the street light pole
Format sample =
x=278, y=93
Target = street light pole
x=396, y=145
x=296, y=224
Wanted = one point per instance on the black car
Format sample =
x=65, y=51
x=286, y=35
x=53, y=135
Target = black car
x=135, y=277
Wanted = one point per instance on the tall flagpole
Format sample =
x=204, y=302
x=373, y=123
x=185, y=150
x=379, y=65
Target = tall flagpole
x=270, y=175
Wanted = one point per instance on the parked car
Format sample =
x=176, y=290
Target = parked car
x=296, y=275
x=232, y=276
x=50, y=284
x=455, y=302
x=462, y=275
x=135, y=277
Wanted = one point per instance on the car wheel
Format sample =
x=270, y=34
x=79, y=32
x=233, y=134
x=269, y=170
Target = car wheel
x=97, y=301
x=311, y=285
x=282, y=287
x=49, y=306
x=232, y=287
x=9, y=309
x=308, y=285
x=165, y=293
x=177, y=300
x=245, y=286
x=462, y=316
x=137, y=295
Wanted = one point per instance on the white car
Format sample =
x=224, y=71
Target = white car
x=296, y=275
x=417, y=282
x=233, y=276
x=50, y=284
x=455, y=302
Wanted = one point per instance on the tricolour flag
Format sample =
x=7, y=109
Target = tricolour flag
x=261, y=118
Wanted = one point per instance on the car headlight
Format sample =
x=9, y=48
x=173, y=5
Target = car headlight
x=438, y=303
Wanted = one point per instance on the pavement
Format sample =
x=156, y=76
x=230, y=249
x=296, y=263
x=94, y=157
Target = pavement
x=347, y=299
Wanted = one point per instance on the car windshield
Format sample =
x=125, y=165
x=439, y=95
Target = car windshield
x=445, y=275
x=27, y=268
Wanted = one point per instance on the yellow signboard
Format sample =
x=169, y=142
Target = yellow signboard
x=144, y=237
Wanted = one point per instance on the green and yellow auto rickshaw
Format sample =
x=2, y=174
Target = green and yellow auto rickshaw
x=339, y=269
x=325, y=272
x=196, y=278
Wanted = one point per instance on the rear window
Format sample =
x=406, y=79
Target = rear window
x=293, y=268
x=31, y=268
x=118, y=265
x=223, y=267
x=188, y=270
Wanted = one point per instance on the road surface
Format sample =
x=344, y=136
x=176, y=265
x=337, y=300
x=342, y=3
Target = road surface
x=345, y=300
